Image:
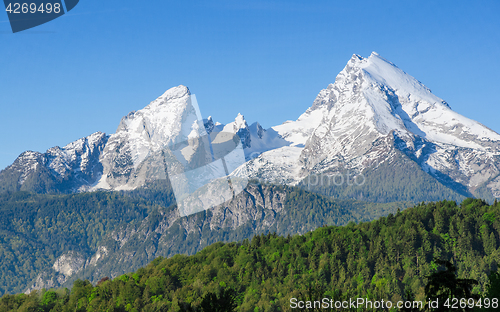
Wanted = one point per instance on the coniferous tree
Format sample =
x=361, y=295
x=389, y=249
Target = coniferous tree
x=224, y=302
x=444, y=284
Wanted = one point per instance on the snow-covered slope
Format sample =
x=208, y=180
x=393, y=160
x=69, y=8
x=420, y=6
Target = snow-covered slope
x=422, y=112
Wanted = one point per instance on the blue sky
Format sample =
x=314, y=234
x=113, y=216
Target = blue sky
x=266, y=59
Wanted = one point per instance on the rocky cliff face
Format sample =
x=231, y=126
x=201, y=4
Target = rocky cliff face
x=63, y=268
x=164, y=233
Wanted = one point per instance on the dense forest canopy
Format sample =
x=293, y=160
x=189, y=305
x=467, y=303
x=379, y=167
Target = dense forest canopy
x=391, y=258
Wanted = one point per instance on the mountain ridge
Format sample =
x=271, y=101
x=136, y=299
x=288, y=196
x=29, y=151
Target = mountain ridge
x=371, y=99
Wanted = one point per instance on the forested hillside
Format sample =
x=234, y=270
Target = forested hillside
x=388, y=259
x=36, y=229
x=51, y=240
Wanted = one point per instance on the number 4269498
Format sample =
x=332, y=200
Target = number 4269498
x=33, y=8
x=487, y=303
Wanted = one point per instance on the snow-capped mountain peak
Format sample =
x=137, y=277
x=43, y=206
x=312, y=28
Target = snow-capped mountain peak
x=372, y=100
x=238, y=124
x=168, y=120
x=391, y=99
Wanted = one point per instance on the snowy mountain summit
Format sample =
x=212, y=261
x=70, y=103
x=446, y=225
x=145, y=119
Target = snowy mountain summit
x=373, y=117
x=372, y=111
